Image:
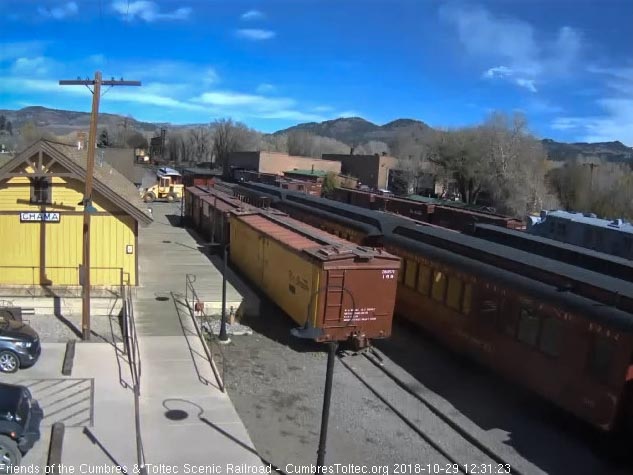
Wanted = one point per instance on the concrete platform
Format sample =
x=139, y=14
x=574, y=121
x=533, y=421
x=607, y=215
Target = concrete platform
x=185, y=418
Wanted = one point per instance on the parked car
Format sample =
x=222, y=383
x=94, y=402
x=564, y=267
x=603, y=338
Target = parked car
x=20, y=418
x=19, y=345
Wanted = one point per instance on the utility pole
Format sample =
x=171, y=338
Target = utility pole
x=96, y=83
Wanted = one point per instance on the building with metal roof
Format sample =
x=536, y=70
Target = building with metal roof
x=586, y=230
x=41, y=219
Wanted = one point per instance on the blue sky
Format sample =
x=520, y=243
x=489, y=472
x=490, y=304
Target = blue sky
x=568, y=65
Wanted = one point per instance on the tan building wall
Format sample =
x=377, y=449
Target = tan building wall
x=277, y=163
x=272, y=162
x=371, y=170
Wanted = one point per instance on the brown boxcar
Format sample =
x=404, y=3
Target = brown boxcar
x=437, y=212
x=193, y=205
x=214, y=225
x=342, y=291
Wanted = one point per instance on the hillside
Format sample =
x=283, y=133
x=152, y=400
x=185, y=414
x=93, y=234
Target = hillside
x=610, y=151
x=356, y=130
x=61, y=122
x=351, y=131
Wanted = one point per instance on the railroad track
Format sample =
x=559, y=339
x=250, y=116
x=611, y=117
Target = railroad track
x=460, y=450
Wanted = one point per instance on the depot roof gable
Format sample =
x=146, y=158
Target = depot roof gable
x=107, y=181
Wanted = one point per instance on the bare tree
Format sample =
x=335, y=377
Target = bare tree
x=498, y=160
x=230, y=136
x=305, y=144
x=372, y=147
x=200, y=141
x=275, y=143
x=596, y=186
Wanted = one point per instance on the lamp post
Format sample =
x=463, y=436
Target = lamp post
x=224, y=338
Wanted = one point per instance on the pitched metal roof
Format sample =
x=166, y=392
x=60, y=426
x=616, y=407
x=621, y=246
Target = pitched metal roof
x=591, y=220
x=107, y=181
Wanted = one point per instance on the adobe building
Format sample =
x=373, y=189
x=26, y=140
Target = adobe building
x=277, y=163
x=371, y=170
x=41, y=219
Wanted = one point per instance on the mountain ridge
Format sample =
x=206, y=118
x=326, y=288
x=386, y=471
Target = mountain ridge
x=351, y=131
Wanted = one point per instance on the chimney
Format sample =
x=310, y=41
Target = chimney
x=351, y=151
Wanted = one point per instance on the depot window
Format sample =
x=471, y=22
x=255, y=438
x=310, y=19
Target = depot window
x=40, y=191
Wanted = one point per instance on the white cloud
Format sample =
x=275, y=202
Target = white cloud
x=18, y=49
x=195, y=96
x=323, y=109
x=148, y=11
x=209, y=77
x=616, y=120
x=526, y=83
x=146, y=97
x=252, y=15
x=255, y=34
x=498, y=72
x=506, y=73
x=344, y=114
x=229, y=98
x=60, y=12
x=97, y=59
x=31, y=66
x=525, y=55
x=265, y=88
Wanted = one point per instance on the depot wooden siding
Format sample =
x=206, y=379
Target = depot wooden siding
x=50, y=253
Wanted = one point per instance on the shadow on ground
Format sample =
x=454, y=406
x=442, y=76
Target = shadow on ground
x=492, y=403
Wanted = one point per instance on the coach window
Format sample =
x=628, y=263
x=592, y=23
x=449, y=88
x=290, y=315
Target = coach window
x=600, y=358
x=529, y=323
x=454, y=293
x=424, y=279
x=467, y=299
x=551, y=331
x=411, y=273
x=403, y=269
x=438, y=290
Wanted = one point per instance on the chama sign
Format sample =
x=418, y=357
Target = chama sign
x=38, y=217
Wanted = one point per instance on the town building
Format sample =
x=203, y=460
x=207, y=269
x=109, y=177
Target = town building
x=124, y=161
x=276, y=163
x=586, y=230
x=41, y=219
x=371, y=170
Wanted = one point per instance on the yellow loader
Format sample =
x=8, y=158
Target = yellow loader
x=164, y=189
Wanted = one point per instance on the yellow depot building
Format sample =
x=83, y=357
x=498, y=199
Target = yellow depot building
x=41, y=219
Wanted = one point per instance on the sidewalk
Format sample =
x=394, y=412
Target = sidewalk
x=185, y=418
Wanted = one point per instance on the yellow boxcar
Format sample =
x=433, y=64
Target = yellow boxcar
x=319, y=280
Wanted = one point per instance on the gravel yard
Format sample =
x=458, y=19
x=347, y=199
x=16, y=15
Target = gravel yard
x=52, y=329
x=276, y=383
